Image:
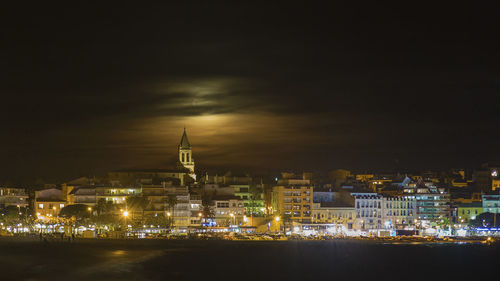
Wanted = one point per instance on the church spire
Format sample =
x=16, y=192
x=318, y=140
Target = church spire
x=184, y=141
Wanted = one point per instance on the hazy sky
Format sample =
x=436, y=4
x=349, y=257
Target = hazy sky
x=93, y=88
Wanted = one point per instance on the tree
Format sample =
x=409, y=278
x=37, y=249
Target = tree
x=138, y=203
x=287, y=219
x=13, y=216
x=208, y=212
x=78, y=211
x=485, y=220
x=105, y=216
x=171, y=202
x=158, y=220
x=104, y=207
x=255, y=196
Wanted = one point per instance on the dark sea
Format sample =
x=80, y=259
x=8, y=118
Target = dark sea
x=25, y=259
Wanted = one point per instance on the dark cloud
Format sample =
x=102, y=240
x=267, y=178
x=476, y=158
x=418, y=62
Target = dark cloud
x=89, y=89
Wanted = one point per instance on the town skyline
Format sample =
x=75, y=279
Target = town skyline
x=172, y=161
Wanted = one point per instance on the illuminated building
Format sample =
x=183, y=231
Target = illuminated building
x=155, y=193
x=495, y=184
x=340, y=215
x=226, y=179
x=468, y=211
x=228, y=210
x=48, y=202
x=196, y=210
x=253, y=200
x=293, y=199
x=116, y=194
x=181, y=212
x=433, y=203
x=484, y=177
x=376, y=211
x=399, y=212
x=158, y=196
x=368, y=211
x=364, y=177
x=13, y=197
x=491, y=203
x=186, y=154
x=82, y=195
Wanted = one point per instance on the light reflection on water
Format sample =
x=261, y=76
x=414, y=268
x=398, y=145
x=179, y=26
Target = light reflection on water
x=193, y=260
x=118, y=253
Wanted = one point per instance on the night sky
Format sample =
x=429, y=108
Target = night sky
x=91, y=88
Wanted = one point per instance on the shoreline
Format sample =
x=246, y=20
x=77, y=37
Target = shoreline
x=377, y=240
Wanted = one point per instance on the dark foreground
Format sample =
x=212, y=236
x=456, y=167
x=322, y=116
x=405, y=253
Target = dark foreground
x=240, y=260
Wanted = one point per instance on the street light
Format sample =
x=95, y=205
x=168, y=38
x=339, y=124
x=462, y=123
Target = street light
x=125, y=214
x=232, y=216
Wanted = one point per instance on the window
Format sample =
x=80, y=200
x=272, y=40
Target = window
x=61, y=206
x=40, y=206
x=182, y=157
x=187, y=157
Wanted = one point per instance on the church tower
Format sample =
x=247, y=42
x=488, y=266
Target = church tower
x=185, y=153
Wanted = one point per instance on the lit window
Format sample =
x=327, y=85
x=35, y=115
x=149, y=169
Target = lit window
x=61, y=206
x=40, y=206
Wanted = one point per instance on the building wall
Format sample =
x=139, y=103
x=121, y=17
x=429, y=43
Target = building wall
x=399, y=212
x=345, y=216
x=48, y=208
x=294, y=201
x=491, y=203
x=229, y=212
x=13, y=197
x=376, y=211
x=368, y=211
x=467, y=213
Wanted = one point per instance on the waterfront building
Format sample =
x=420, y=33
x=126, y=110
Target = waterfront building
x=376, y=212
x=228, y=210
x=117, y=194
x=48, y=202
x=491, y=203
x=252, y=196
x=341, y=216
x=468, y=211
x=81, y=195
x=155, y=194
x=293, y=199
x=368, y=211
x=433, y=203
x=13, y=197
x=399, y=212
x=180, y=211
x=196, y=210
